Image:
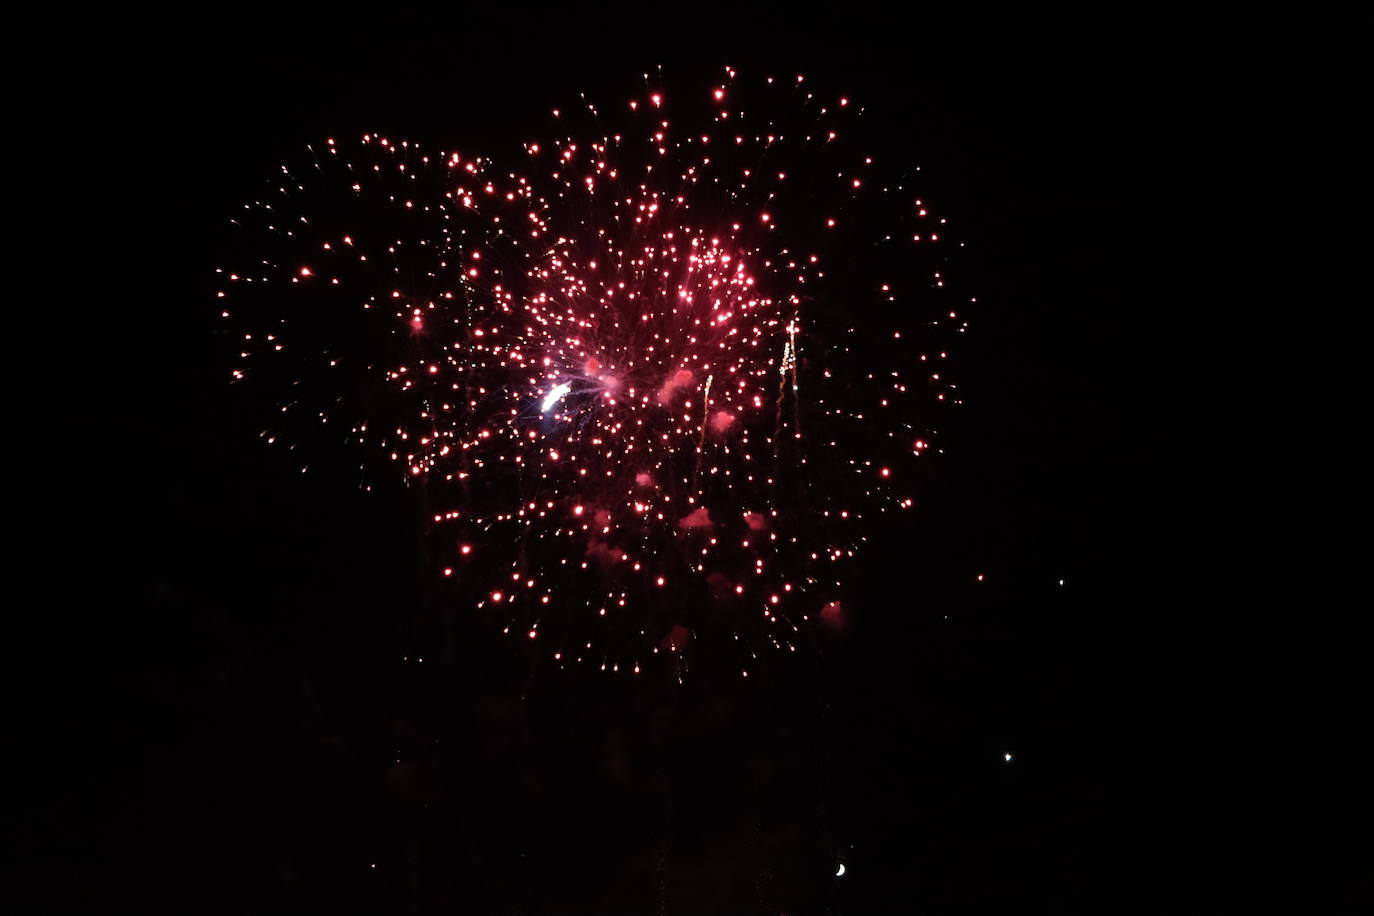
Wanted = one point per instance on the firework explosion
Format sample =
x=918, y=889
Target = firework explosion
x=656, y=375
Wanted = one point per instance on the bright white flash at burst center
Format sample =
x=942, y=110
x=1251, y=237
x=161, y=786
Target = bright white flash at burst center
x=554, y=396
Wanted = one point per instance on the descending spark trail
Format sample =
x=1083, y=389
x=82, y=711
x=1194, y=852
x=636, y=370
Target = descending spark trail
x=651, y=280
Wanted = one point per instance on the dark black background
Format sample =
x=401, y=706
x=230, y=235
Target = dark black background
x=228, y=726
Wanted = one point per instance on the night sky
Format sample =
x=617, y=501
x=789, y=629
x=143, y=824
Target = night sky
x=236, y=731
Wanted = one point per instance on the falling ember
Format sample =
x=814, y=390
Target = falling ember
x=672, y=374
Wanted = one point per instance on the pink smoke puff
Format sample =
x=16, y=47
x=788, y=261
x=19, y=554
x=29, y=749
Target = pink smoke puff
x=755, y=521
x=698, y=518
x=679, y=379
x=832, y=615
x=721, y=421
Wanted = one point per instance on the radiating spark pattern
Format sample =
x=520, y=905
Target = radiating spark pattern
x=657, y=374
